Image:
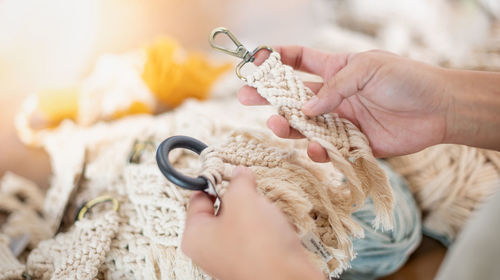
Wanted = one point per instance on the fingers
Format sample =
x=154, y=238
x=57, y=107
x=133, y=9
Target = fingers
x=317, y=153
x=307, y=60
x=199, y=204
x=349, y=80
x=249, y=96
x=242, y=178
x=280, y=126
x=329, y=97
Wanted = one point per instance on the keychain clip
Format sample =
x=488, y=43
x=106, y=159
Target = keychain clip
x=240, y=50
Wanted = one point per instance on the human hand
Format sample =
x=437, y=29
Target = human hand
x=399, y=104
x=249, y=239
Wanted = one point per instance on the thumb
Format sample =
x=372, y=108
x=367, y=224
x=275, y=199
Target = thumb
x=242, y=179
x=342, y=85
x=200, y=203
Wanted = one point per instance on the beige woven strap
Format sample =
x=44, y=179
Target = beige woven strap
x=77, y=254
x=23, y=200
x=347, y=146
x=312, y=198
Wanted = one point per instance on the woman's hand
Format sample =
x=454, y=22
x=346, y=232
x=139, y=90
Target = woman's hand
x=399, y=104
x=249, y=239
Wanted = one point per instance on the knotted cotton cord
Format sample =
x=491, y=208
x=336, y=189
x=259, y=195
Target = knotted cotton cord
x=347, y=147
x=77, y=254
x=449, y=182
x=310, y=204
x=152, y=210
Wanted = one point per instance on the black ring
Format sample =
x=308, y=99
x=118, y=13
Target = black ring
x=197, y=184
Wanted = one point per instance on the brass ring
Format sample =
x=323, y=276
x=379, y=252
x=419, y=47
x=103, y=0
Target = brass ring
x=98, y=200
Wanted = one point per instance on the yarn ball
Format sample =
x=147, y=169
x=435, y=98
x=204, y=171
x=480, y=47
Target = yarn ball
x=174, y=75
x=382, y=253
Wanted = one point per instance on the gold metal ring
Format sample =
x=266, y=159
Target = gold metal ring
x=96, y=201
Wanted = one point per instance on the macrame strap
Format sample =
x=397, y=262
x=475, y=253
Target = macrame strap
x=77, y=254
x=347, y=146
x=218, y=161
x=310, y=205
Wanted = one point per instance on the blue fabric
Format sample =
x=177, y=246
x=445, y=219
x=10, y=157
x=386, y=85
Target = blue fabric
x=382, y=253
x=444, y=239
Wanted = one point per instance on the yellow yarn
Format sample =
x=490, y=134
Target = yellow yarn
x=56, y=105
x=136, y=107
x=165, y=79
x=172, y=76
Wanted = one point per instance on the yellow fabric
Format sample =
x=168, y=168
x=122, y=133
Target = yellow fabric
x=173, y=76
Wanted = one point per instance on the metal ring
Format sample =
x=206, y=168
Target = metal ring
x=138, y=149
x=243, y=62
x=98, y=200
x=200, y=183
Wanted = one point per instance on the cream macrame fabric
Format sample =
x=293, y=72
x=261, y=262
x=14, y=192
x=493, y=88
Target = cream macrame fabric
x=449, y=182
x=77, y=254
x=314, y=201
x=152, y=210
x=23, y=201
x=142, y=241
x=347, y=146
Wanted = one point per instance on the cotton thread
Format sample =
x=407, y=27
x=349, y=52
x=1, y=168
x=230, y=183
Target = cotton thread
x=152, y=211
x=449, y=182
x=347, y=147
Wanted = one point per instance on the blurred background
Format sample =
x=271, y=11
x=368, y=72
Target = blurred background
x=56, y=43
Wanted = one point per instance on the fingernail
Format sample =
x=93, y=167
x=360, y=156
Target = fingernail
x=309, y=106
x=238, y=170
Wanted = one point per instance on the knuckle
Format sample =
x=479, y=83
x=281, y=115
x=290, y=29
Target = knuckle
x=365, y=57
x=329, y=84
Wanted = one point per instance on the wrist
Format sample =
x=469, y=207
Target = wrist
x=472, y=113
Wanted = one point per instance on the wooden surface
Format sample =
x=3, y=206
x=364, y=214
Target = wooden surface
x=34, y=164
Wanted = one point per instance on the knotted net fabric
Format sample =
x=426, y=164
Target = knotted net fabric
x=313, y=200
x=151, y=217
x=77, y=254
x=152, y=210
x=347, y=147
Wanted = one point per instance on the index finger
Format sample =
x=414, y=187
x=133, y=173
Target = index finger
x=308, y=60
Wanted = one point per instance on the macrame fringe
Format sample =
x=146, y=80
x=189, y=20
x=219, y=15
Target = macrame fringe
x=347, y=147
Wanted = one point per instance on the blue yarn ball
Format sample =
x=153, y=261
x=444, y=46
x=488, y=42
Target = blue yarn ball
x=382, y=253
